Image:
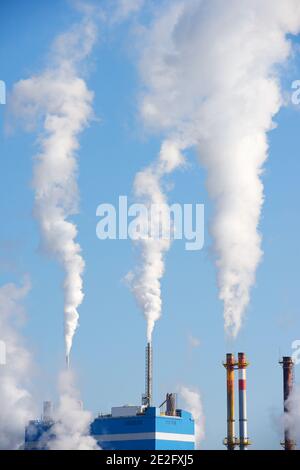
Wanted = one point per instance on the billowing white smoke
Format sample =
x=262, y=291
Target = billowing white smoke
x=60, y=99
x=15, y=398
x=124, y=9
x=154, y=235
x=291, y=419
x=72, y=423
x=193, y=404
x=210, y=73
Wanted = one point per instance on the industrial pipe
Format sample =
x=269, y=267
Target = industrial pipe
x=47, y=411
x=242, y=364
x=288, y=379
x=230, y=441
x=148, y=384
x=171, y=404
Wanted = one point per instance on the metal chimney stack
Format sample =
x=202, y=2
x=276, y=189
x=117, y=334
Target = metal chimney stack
x=288, y=380
x=47, y=411
x=242, y=364
x=230, y=441
x=171, y=404
x=148, y=384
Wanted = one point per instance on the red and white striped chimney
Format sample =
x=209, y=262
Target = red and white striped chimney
x=243, y=422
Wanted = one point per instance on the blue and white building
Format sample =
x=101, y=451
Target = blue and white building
x=144, y=427
x=128, y=427
x=135, y=428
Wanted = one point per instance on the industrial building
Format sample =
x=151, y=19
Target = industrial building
x=143, y=427
x=146, y=427
x=128, y=427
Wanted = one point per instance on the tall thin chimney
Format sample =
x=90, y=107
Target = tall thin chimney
x=148, y=381
x=230, y=441
x=242, y=364
x=288, y=380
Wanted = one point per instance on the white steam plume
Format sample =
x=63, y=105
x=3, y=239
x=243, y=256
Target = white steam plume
x=72, y=423
x=210, y=70
x=15, y=398
x=291, y=418
x=124, y=9
x=60, y=99
x=193, y=404
x=148, y=188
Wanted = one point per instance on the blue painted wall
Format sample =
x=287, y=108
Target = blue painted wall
x=149, y=422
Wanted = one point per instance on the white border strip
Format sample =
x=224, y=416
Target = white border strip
x=139, y=436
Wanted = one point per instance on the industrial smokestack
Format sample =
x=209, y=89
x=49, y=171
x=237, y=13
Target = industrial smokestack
x=47, y=411
x=242, y=364
x=288, y=380
x=230, y=441
x=147, y=398
x=171, y=404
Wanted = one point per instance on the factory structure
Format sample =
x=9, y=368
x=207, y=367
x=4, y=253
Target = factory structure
x=288, y=382
x=147, y=427
x=143, y=427
x=231, y=441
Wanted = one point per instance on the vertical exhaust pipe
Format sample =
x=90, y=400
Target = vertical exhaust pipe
x=47, y=411
x=242, y=364
x=230, y=441
x=148, y=382
x=288, y=379
x=171, y=404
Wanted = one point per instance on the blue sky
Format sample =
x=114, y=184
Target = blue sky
x=108, y=350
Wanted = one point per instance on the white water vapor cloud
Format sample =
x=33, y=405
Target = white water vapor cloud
x=210, y=72
x=72, y=422
x=291, y=418
x=193, y=404
x=145, y=280
x=193, y=341
x=59, y=101
x=125, y=8
x=15, y=396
